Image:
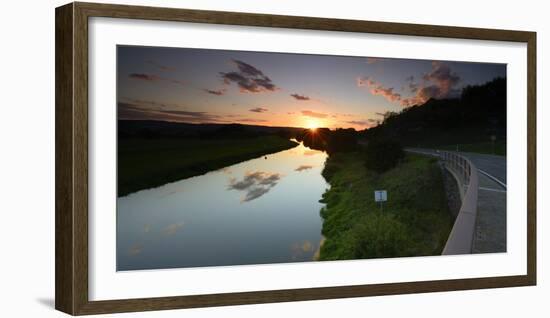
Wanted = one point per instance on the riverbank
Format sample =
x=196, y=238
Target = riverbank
x=147, y=163
x=414, y=222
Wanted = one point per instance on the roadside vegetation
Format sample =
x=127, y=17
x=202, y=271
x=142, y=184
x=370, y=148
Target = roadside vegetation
x=383, y=155
x=415, y=220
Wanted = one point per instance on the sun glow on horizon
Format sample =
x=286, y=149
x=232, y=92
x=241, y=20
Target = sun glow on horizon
x=312, y=124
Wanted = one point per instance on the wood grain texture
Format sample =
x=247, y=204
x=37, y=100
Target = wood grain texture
x=532, y=158
x=72, y=157
x=80, y=136
x=165, y=303
x=64, y=235
x=297, y=22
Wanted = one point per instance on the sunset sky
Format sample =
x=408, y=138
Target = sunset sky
x=278, y=89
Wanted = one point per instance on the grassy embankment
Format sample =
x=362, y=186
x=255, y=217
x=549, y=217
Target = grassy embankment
x=415, y=221
x=147, y=163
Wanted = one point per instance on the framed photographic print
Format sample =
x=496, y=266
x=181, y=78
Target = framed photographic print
x=211, y=158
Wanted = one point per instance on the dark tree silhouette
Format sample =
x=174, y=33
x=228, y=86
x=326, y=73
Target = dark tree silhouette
x=478, y=114
x=382, y=155
x=331, y=141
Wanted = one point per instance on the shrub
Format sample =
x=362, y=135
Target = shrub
x=382, y=155
x=381, y=235
x=342, y=140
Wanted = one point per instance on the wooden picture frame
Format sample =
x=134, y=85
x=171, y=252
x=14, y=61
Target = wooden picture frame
x=71, y=221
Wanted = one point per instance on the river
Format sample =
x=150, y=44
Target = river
x=264, y=210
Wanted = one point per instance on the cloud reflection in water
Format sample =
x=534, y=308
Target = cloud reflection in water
x=255, y=184
x=303, y=167
x=135, y=250
x=173, y=228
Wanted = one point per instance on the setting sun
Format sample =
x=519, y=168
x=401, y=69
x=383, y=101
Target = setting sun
x=312, y=124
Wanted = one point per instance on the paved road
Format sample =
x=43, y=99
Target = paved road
x=493, y=165
x=490, y=232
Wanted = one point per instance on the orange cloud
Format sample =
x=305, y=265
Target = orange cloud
x=443, y=79
x=310, y=113
x=377, y=88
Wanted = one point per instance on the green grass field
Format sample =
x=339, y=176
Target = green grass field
x=415, y=221
x=147, y=163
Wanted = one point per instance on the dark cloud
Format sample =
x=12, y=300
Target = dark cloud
x=258, y=110
x=411, y=84
x=146, y=103
x=255, y=184
x=135, y=111
x=248, y=69
x=300, y=97
x=428, y=92
x=129, y=107
x=310, y=113
x=144, y=77
x=217, y=92
x=233, y=77
x=443, y=78
x=444, y=82
x=249, y=79
x=153, y=78
x=186, y=113
x=303, y=167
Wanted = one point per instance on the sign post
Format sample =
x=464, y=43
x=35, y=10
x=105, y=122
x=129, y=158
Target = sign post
x=381, y=196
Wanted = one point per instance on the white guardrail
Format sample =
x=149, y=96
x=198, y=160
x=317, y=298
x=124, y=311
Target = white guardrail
x=465, y=172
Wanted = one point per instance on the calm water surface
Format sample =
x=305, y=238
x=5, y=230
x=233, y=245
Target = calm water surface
x=255, y=212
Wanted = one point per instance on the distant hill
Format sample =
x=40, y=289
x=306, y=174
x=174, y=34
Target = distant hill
x=477, y=115
x=165, y=129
